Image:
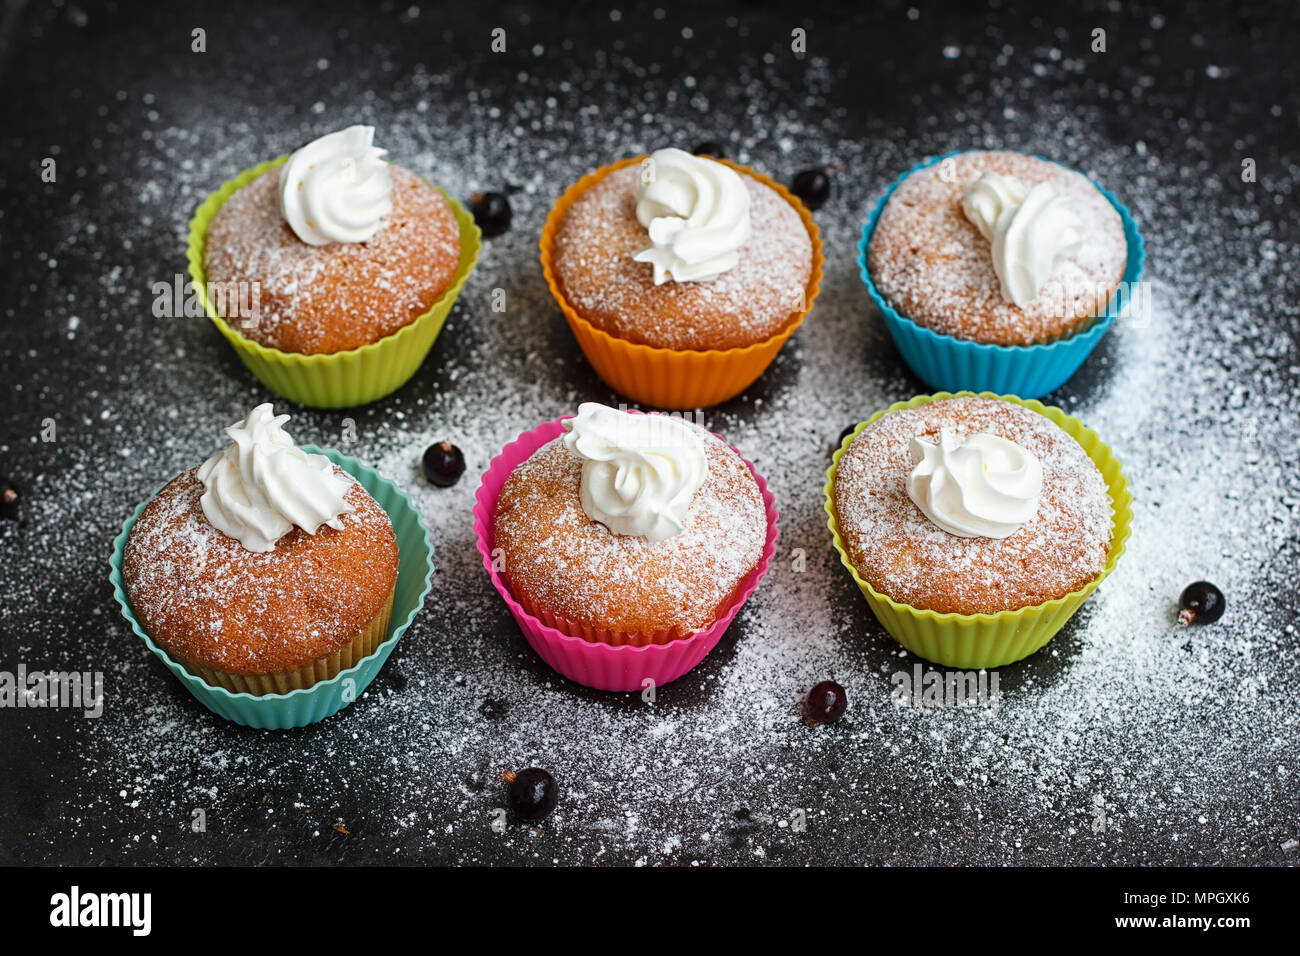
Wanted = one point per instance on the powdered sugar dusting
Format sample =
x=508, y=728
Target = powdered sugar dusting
x=340, y=296
x=576, y=568
x=749, y=302
x=932, y=265
x=203, y=597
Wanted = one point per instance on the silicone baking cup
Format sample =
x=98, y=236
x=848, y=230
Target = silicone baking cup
x=605, y=660
x=334, y=379
x=974, y=641
x=325, y=698
x=674, y=378
x=1031, y=371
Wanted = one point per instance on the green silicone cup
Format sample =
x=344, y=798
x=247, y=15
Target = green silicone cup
x=974, y=641
x=336, y=379
x=311, y=704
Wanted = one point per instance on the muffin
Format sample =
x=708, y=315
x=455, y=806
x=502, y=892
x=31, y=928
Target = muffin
x=629, y=529
x=971, y=505
x=998, y=248
x=745, y=283
x=681, y=275
x=265, y=569
x=331, y=272
x=342, y=248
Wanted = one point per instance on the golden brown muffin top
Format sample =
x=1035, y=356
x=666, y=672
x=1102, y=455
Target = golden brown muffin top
x=318, y=299
x=205, y=599
x=748, y=303
x=902, y=554
x=934, y=267
x=560, y=559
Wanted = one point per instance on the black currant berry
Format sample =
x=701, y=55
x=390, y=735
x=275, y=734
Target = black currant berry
x=491, y=212
x=443, y=464
x=813, y=186
x=532, y=793
x=9, y=499
x=710, y=147
x=824, y=704
x=1201, y=602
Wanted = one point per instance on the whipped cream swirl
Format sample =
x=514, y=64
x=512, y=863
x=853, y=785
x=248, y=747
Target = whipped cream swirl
x=697, y=213
x=259, y=487
x=336, y=188
x=975, y=486
x=639, y=472
x=1032, y=231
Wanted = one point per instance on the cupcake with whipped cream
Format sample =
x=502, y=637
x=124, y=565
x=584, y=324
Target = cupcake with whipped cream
x=628, y=528
x=975, y=525
x=327, y=253
x=980, y=260
x=971, y=506
x=681, y=275
x=265, y=569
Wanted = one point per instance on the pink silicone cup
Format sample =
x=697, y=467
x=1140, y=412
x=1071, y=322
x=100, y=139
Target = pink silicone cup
x=624, y=667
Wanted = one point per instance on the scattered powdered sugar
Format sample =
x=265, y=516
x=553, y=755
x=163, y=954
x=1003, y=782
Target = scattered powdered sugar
x=899, y=551
x=1127, y=739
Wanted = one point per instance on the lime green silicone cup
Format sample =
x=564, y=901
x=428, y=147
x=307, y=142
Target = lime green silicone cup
x=336, y=379
x=311, y=704
x=974, y=641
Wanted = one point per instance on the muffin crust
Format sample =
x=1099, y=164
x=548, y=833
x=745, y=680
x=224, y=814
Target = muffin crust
x=560, y=562
x=207, y=601
x=932, y=265
x=753, y=301
x=897, y=549
x=322, y=299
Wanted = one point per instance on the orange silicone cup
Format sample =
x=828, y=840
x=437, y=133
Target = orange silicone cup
x=675, y=378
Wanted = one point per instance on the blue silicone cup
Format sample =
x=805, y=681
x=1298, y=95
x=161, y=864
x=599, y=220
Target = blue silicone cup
x=1030, y=371
x=311, y=704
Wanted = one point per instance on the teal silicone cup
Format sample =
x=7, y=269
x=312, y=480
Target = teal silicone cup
x=311, y=704
x=951, y=364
